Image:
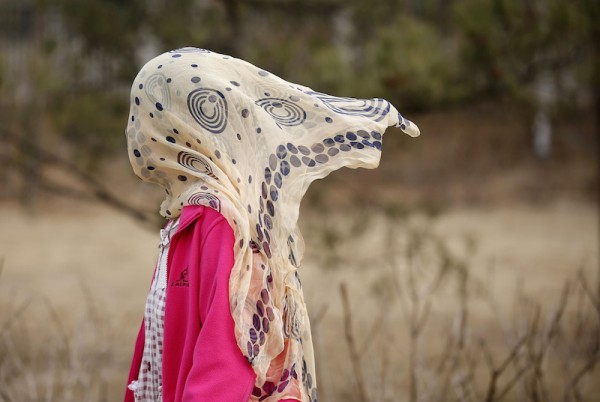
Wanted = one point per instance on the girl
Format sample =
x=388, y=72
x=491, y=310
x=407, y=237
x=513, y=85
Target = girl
x=235, y=149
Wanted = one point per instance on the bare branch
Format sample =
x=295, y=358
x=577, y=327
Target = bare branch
x=496, y=372
x=512, y=382
x=594, y=298
x=318, y=317
x=99, y=190
x=18, y=312
x=350, y=341
x=488, y=356
x=587, y=368
x=375, y=328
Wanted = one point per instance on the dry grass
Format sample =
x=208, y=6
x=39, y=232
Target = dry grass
x=414, y=315
x=42, y=359
x=428, y=340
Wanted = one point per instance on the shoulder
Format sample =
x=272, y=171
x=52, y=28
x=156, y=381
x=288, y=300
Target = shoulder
x=204, y=219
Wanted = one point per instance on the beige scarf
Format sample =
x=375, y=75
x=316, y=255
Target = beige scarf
x=217, y=131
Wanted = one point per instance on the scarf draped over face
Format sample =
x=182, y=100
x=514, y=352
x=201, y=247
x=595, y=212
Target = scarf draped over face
x=217, y=131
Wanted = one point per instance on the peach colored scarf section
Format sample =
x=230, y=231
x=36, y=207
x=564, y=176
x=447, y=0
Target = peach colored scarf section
x=217, y=131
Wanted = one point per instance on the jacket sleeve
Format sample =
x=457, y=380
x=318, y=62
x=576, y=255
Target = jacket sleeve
x=219, y=372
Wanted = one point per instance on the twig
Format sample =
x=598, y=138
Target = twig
x=451, y=356
x=587, y=367
x=315, y=329
x=375, y=328
x=20, y=310
x=594, y=298
x=22, y=368
x=496, y=372
x=512, y=382
x=354, y=356
x=384, y=369
x=317, y=318
x=448, y=348
x=60, y=328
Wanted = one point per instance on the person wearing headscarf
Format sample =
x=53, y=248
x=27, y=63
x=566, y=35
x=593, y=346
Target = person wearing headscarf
x=235, y=148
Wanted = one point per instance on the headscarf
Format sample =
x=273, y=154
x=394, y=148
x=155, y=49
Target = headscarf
x=217, y=131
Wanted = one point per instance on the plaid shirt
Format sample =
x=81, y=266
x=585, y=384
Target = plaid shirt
x=148, y=387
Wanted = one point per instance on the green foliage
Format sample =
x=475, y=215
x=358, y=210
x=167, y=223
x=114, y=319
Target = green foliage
x=2, y=72
x=184, y=23
x=507, y=43
x=326, y=70
x=408, y=64
x=418, y=54
x=109, y=26
x=117, y=29
x=92, y=123
x=301, y=49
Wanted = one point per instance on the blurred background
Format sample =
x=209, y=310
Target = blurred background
x=464, y=268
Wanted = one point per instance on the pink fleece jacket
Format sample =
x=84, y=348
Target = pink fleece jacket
x=201, y=359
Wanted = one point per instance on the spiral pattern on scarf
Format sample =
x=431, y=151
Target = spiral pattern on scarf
x=209, y=108
x=195, y=163
x=204, y=199
x=283, y=111
x=375, y=108
x=196, y=115
x=157, y=90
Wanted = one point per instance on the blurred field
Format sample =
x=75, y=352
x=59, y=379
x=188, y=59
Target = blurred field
x=85, y=270
x=465, y=268
x=454, y=255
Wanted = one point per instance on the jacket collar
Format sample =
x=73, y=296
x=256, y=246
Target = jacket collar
x=189, y=215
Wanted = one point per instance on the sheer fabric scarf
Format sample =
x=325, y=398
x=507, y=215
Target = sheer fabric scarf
x=217, y=131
